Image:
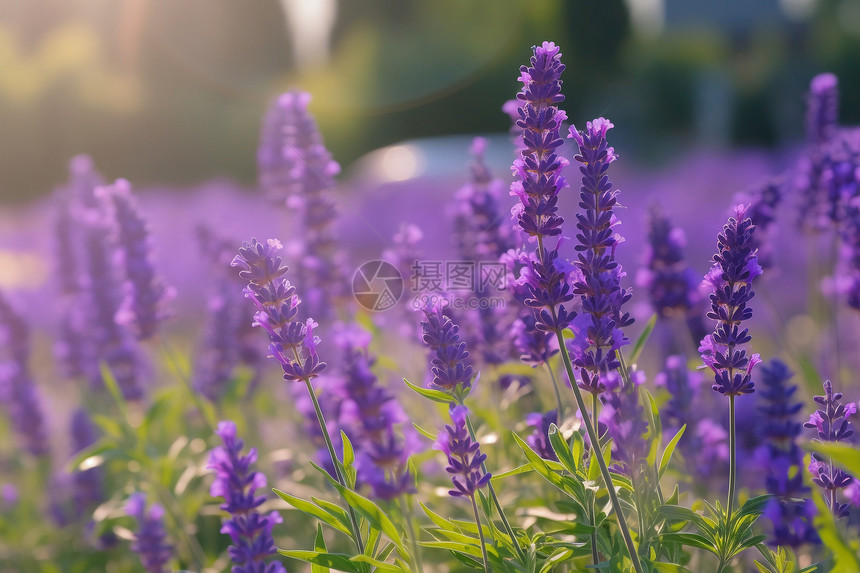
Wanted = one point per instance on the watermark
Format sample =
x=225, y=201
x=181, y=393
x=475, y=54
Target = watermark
x=378, y=285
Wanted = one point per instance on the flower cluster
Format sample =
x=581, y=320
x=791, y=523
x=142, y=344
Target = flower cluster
x=730, y=281
x=295, y=166
x=88, y=483
x=481, y=236
x=464, y=456
x=369, y=414
x=538, y=181
x=782, y=458
x=763, y=202
x=146, y=296
x=832, y=423
x=276, y=301
x=150, y=540
x=18, y=391
x=237, y=483
x=449, y=365
x=596, y=346
x=672, y=285
x=625, y=422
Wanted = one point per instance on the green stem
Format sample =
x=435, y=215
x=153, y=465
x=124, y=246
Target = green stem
x=195, y=397
x=595, y=444
x=406, y=510
x=592, y=518
x=559, y=403
x=733, y=470
x=356, y=532
x=481, y=535
x=507, y=526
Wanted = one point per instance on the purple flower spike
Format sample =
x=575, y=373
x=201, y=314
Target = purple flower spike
x=276, y=301
x=822, y=108
x=451, y=371
x=18, y=391
x=146, y=295
x=88, y=483
x=730, y=281
x=600, y=285
x=832, y=423
x=296, y=167
x=625, y=422
x=464, y=456
x=763, y=203
x=672, y=286
x=112, y=341
x=150, y=543
x=538, y=182
x=782, y=458
x=237, y=483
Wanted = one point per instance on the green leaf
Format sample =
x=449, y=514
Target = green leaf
x=470, y=550
x=436, y=518
x=846, y=553
x=348, y=463
x=754, y=506
x=670, y=449
x=525, y=468
x=556, y=558
x=661, y=567
x=380, y=565
x=430, y=394
x=425, y=433
x=338, y=561
x=692, y=539
x=372, y=513
x=643, y=338
x=844, y=455
x=319, y=547
x=562, y=450
x=312, y=510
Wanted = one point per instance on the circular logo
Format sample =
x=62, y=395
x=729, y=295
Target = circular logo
x=377, y=285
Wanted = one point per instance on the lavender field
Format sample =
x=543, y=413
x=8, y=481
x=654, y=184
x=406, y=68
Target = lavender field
x=523, y=351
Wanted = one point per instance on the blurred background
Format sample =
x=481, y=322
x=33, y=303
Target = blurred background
x=162, y=91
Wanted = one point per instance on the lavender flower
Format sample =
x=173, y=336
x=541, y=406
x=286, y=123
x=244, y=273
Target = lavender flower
x=683, y=390
x=600, y=285
x=832, y=423
x=146, y=295
x=112, y=341
x=782, y=459
x=625, y=422
x=17, y=388
x=296, y=166
x=822, y=108
x=150, y=542
x=369, y=415
x=538, y=181
x=730, y=280
x=763, y=203
x=539, y=438
x=89, y=483
x=479, y=233
x=482, y=239
x=534, y=346
x=451, y=371
x=464, y=456
x=220, y=349
x=277, y=302
x=237, y=483
x=672, y=285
